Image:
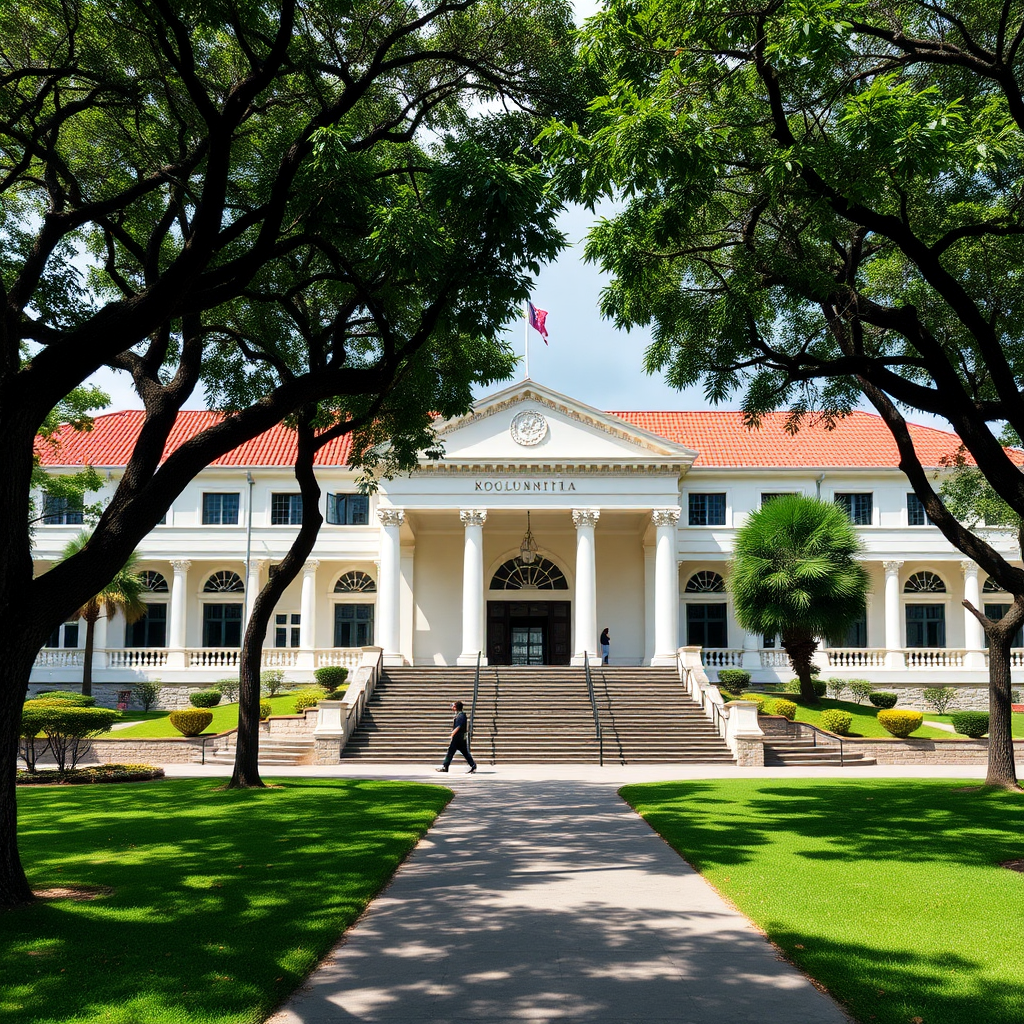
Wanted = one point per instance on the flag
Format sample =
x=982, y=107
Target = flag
x=537, y=318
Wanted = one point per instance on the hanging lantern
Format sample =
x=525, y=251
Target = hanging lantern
x=528, y=547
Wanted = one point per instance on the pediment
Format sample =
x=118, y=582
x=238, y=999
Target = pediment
x=529, y=424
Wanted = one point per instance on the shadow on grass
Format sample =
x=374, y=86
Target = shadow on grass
x=223, y=899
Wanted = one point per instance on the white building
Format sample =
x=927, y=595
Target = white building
x=632, y=514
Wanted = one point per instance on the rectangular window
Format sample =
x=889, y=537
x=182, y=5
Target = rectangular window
x=916, y=515
x=222, y=625
x=926, y=625
x=286, y=629
x=706, y=625
x=65, y=635
x=997, y=611
x=856, y=634
x=286, y=509
x=150, y=630
x=857, y=506
x=348, y=510
x=707, y=509
x=353, y=625
x=767, y=496
x=59, y=511
x=220, y=509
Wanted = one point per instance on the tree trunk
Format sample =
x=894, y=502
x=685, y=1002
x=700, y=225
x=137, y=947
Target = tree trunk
x=246, y=774
x=90, y=640
x=1002, y=769
x=801, y=647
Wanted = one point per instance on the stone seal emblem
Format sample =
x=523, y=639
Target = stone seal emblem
x=528, y=428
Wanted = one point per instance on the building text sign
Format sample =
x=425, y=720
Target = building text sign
x=522, y=486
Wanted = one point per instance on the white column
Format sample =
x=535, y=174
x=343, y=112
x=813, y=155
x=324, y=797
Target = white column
x=894, y=657
x=252, y=586
x=666, y=586
x=751, y=651
x=306, y=656
x=100, y=637
x=389, y=585
x=585, y=519
x=974, y=635
x=473, y=520
x=176, y=625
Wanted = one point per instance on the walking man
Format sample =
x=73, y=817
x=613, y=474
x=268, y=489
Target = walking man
x=459, y=739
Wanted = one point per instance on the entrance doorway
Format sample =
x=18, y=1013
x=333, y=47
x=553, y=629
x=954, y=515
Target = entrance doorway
x=528, y=632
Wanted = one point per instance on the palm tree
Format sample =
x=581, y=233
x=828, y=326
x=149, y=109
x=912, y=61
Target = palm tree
x=794, y=573
x=123, y=593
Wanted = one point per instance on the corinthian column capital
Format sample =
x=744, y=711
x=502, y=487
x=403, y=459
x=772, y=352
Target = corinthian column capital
x=473, y=516
x=391, y=516
x=585, y=517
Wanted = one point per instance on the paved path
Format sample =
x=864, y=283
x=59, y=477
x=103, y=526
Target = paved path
x=538, y=901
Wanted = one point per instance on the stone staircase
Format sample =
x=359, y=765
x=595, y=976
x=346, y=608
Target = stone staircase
x=273, y=751
x=536, y=715
x=793, y=753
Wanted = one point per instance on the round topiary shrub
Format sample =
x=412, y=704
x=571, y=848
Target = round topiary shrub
x=785, y=708
x=331, y=677
x=337, y=694
x=820, y=687
x=837, y=721
x=307, y=699
x=190, y=721
x=970, y=723
x=204, y=698
x=881, y=699
x=757, y=698
x=265, y=708
x=735, y=680
x=79, y=700
x=900, y=723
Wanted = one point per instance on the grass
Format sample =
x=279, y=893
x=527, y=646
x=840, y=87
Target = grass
x=888, y=892
x=1016, y=723
x=225, y=716
x=865, y=722
x=222, y=899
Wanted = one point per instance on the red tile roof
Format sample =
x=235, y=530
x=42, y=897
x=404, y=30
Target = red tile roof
x=859, y=440
x=112, y=438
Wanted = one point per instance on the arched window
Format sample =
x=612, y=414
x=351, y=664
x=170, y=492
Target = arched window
x=224, y=582
x=705, y=582
x=153, y=582
x=539, y=575
x=355, y=582
x=991, y=587
x=924, y=583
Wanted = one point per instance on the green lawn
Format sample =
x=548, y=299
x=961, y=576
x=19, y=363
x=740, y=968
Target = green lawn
x=225, y=716
x=888, y=892
x=1016, y=723
x=222, y=900
x=865, y=722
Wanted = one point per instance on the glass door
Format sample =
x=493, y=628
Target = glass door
x=528, y=645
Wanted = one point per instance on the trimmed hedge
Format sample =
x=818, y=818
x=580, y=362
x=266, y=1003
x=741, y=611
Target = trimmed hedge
x=265, y=708
x=331, y=677
x=785, y=708
x=882, y=699
x=735, y=680
x=67, y=727
x=757, y=698
x=69, y=696
x=190, y=721
x=900, y=723
x=307, y=699
x=204, y=698
x=970, y=723
x=88, y=776
x=337, y=694
x=836, y=720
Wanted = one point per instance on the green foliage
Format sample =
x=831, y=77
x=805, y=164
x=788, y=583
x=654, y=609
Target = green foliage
x=939, y=697
x=92, y=775
x=757, y=698
x=67, y=727
x=331, y=677
x=727, y=696
x=337, y=694
x=861, y=689
x=82, y=700
x=791, y=686
x=204, y=698
x=883, y=699
x=785, y=708
x=835, y=721
x=190, y=721
x=272, y=681
x=266, y=709
x=970, y=723
x=900, y=723
x=734, y=679
x=836, y=687
x=228, y=688
x=147, y=693
x=307, y=699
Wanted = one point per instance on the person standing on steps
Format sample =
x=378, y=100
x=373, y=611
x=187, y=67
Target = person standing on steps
x=606, y=645
x=459, y=739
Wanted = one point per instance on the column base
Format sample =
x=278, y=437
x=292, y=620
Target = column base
x=578, y=659
x=394, y=659
x=751, y=659
x=664, y=660
x=895, y=659
x=468, y=659
x=177, y=657
x=306, y=659
x=975, y=660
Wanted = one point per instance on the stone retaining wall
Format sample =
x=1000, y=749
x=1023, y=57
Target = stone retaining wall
x=171, y=750
x=932, y=752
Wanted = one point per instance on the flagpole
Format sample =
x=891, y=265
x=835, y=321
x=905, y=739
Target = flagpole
x=526, y=336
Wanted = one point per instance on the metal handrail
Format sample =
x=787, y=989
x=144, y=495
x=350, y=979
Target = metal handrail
x=593, y=707
x=816, y=731
x=472, y=706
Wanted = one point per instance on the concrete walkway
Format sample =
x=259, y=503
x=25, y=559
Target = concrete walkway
x=549, y=900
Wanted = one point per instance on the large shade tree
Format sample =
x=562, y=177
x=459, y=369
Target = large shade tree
x=795, y=574
x=173, y=176
x=822, y=202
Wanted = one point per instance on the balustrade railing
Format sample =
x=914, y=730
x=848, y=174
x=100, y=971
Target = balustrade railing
x=214, y=657
x=60, y=658
x=934, y=657
x=774, y=657
x=137, y=657
x=855, y=657
x=721, y=657
x=350, y=657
